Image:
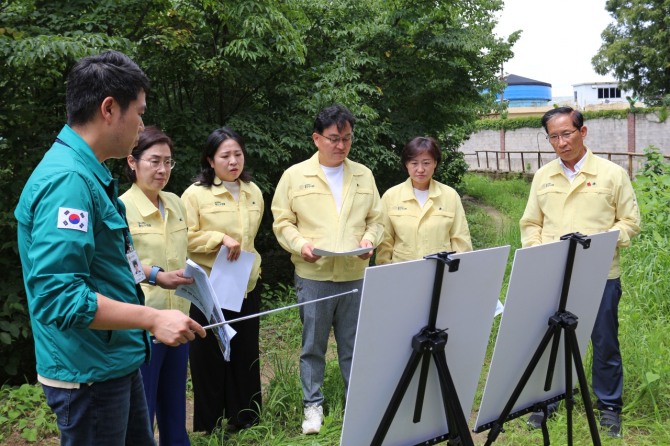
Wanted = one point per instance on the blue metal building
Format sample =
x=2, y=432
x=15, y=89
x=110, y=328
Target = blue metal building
x=525, y=92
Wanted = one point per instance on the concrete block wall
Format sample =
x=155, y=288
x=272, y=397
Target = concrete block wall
x=604, y=135
x=650, y=131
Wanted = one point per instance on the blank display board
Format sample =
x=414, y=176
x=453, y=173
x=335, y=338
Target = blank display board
x=395, y=306
x=533, y=296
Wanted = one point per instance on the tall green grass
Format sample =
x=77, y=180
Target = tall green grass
x=644, y=311
x=493, y=209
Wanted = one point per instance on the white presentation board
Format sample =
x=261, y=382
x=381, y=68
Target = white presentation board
x=395, y=306
x=533, y=296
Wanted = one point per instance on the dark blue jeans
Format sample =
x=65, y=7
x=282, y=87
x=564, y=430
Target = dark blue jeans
x=165, y=389
x=607, y=370
x=108, y=413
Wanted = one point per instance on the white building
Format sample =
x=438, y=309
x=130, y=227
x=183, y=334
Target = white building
x=599, y=94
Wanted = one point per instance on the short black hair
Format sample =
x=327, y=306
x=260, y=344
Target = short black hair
x=418, y=145
x=93, y=78
x=335, y=114
x=576, y=115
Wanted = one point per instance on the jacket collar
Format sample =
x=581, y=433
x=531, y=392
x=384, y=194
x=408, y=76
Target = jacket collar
x=314, y=168
x=220, y=189
x=407, y=190
x=589, y=167
x=144, y=205
x=84, y=152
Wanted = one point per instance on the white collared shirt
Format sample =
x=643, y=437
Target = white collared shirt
x=578, y=166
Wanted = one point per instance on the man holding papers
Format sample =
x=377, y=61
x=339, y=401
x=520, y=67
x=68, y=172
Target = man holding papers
x=330, y=203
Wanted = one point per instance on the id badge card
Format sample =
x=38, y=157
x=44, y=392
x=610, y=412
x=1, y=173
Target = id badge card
x=135, y=266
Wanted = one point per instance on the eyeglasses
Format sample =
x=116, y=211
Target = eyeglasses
x=155, y=163
x=335, y=140
x=553, y=139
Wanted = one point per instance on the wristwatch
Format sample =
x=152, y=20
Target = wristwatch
x=154, y=272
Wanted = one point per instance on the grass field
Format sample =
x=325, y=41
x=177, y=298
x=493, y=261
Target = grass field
x=493, y=209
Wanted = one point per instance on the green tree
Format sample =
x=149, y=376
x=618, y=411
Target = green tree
x=216, y=63
x=404, y=67
x=39, y=41
x=636, y=47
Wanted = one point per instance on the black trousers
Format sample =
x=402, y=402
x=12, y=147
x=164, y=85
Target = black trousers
x=230, y=390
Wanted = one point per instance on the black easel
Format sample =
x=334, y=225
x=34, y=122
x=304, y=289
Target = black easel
x=430, y=342
x=561, y=320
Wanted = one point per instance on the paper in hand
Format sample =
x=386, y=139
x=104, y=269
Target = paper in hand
x=353, y=252
x=202, y=295
x=230, y=279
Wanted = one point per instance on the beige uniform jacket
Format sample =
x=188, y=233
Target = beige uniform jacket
x=601, y=198
x=212, y=212
x=412, y=232
x=158, y=241
x=304, y=211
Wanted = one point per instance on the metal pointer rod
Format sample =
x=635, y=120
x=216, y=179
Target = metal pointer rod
x=251, y=316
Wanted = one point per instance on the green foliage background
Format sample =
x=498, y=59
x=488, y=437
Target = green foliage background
x=493, y=208
x=404, y=67
x=636, y=48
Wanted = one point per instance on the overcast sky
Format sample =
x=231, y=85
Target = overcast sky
x=559, y=39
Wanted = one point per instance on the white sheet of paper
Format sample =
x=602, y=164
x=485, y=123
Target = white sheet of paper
x=230, y=279
x=197, y=292
x=353, y=252
x=499, y=308
x=202, y=295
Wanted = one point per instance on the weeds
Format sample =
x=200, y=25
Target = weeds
x=24, y=409
x=644, y=315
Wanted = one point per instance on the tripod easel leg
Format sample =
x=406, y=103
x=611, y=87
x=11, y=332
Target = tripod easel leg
x=497, y=426
x=458, y=425
x=396, y=399
x=569, y=396
x=571, y=337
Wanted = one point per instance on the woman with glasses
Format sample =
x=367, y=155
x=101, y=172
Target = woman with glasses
x=421, y=216
x=224, y=209
x=157, y=222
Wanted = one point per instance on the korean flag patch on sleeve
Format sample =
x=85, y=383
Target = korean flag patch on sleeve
x=69, y=218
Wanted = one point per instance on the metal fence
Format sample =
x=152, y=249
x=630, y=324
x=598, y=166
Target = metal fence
x=529, y=161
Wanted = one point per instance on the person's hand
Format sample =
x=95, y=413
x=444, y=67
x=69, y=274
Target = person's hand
x=306, y=253
x=170, y=280
x=234, y=247
x=173, y=328
x=366, y=244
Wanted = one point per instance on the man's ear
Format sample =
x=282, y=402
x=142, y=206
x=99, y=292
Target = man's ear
x=583, y=131
x=107, y=108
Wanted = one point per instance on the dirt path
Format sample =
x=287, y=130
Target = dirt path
x=498, y=218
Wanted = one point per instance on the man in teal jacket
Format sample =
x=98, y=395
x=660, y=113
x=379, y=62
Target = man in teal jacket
x=88, y=318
